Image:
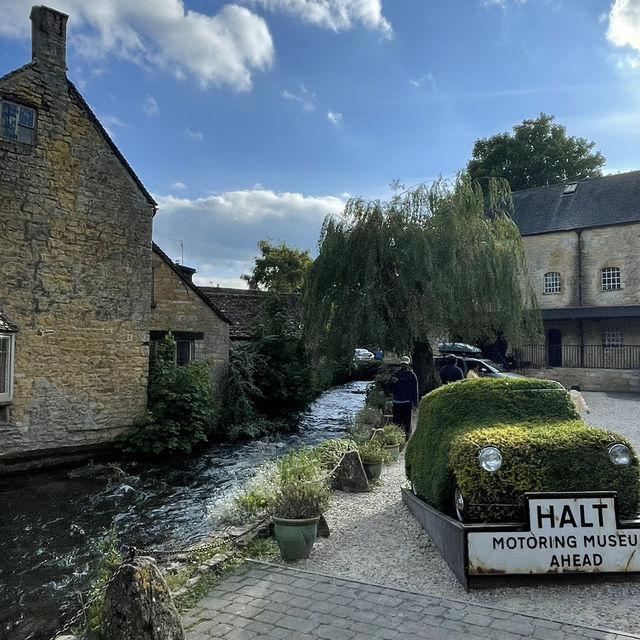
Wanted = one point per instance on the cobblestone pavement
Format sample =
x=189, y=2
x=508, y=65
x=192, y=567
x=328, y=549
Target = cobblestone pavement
x=263, y=600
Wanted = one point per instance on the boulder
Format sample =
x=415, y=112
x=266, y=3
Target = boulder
x=349, y=475
x=138, y=605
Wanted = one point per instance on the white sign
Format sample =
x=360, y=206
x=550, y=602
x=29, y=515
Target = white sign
x=568, y=534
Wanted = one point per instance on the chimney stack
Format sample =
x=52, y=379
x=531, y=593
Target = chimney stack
x=49, y=36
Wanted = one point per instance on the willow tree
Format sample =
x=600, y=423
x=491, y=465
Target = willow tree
x=433, y=261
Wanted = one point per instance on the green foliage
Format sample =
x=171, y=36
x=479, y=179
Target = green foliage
x=330, y=452
x=301, y=500
x=534, y=424
x=367, y=420
x=281, y=268
x=390, y=434
x=373, y=451
x=181, y=411
x=538, y=153
x=391, y=273
x=109, y=559
x=377, y=397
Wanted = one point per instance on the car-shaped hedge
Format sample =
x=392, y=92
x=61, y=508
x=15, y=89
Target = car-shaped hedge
x=481, y=444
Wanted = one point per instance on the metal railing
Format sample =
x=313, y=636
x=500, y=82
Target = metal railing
x=575, y=355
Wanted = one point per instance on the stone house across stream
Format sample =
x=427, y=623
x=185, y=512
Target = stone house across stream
x=77, y=297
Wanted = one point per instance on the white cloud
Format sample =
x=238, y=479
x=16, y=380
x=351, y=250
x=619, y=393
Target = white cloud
x=336, y=118
x=221, y=232
x=305, y=98
x=178, y=186
x=624, y=26
x=195, y=135
x=216, y=50
x=150, y=106
x=337, y=15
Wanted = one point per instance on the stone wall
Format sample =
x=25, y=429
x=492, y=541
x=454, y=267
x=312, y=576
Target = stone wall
x=75, y=241
x=177, y=306
x=612, y=380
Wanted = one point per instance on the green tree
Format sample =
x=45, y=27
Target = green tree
x=428, y=262
x=281, y=268
x=538, y=153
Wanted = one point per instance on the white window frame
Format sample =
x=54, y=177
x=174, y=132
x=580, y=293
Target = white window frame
x=23, y=132
x=6, y=393
x=610, y=279
x=612, y=338
x=552, y=282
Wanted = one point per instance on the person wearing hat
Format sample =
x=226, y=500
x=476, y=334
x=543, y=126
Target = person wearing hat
x=404, y=388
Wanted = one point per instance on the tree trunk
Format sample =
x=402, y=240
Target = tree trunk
x=422, y=358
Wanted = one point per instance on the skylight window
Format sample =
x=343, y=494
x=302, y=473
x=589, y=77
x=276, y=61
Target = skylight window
x=570, y=188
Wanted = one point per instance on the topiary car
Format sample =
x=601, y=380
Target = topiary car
x=481, y=444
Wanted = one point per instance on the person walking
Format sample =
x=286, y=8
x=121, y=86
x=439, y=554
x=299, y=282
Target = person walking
x=451, y=372
x=404, y=388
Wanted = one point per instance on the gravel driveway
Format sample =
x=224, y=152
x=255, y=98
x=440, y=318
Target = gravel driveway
x=375, y=539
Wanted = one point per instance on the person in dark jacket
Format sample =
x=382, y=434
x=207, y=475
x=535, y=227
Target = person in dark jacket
x=451, y=371
x=404, y=387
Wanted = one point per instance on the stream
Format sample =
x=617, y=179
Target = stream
x=52, y=522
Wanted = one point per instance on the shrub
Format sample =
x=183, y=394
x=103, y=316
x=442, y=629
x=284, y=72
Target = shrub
x=330, y=452
x=300, y=500
x=533, y=423
x=373, y=452
x=366, y=421
x=181, y=411
x=390, y=434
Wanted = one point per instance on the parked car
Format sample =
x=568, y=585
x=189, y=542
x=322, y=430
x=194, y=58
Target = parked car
x=482, y=444
x=485, y=368
x=363, y=354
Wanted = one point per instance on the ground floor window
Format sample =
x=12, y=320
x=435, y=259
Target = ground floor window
x=6, y=367
x=611, y=338
x=185, y=344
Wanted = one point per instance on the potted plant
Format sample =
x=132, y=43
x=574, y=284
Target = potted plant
x=301, y=495
x=373, y=454
x=391, y=436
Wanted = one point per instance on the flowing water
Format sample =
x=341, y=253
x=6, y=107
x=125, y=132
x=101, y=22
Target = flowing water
x=51, y=523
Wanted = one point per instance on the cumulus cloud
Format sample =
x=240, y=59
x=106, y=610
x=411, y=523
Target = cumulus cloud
x=336, y=118
x=220, y=232
x=337, y=15
x=220, y=49
x=624, y=27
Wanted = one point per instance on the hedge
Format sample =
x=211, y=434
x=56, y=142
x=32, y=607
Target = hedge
x=544, y=444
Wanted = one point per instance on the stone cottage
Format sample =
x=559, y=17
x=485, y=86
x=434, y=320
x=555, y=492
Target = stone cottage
x=75, y=244
x=199, y=328
x=582, y=248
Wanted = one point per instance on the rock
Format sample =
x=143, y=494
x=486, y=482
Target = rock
x=323, y=528
x=138, y=605
x=349, y=476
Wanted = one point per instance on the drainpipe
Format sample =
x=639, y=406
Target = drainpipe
x=579, y=272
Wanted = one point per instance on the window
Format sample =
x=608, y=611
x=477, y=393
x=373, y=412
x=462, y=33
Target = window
x=611, y=338
x=185, y=344
x=184, y=351
x=18, y=122
x=610, y=278
x=570, y=188
x=6, y=367
x=552, y=282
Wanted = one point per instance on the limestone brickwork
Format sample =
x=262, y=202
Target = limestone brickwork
x=178, y=306
x=75, y=244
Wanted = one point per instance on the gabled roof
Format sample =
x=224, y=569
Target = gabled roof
x=178, y=271
x=244, y=306
x=6, y=324
x=596, y=202
x=75, y=94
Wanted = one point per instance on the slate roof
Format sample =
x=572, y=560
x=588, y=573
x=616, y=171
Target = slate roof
x=596, y=202
x=243, y=307
x=6, y=324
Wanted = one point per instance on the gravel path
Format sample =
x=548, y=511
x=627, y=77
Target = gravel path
x=374, y=538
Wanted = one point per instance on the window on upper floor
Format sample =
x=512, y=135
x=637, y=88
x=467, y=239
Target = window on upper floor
x=552, y=282
x=6, y=366
x=18, y=122
x=610, y=278
x=611, y=338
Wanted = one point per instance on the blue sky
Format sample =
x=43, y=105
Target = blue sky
x=255, y=119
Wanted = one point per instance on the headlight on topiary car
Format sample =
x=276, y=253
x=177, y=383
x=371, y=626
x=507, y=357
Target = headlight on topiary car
x=620, y=454
x=490, y=458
